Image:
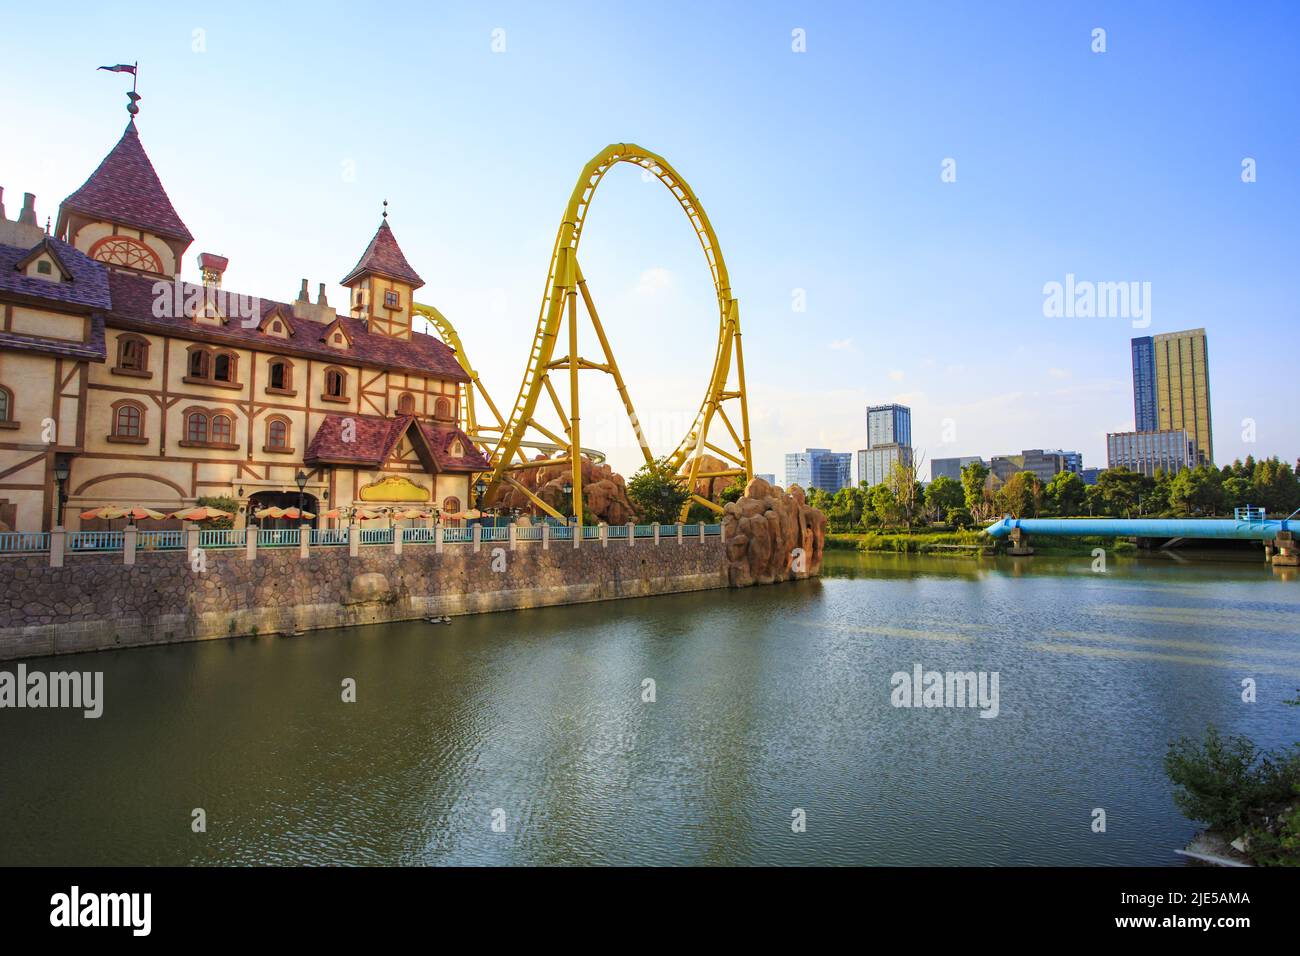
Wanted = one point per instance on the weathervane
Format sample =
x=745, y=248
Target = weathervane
x=133, y=96
x=385, y=208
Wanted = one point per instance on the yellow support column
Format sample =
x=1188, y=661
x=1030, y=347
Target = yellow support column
x=575, y=437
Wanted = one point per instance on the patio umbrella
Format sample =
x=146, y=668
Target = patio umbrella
x=365, y=514
x=201, y=513
x=269, y=513
x=135, y=513
x=412, y=513
x=333, y=514
x=292, y=513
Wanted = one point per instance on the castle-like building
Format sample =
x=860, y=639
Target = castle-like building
x=121, y=384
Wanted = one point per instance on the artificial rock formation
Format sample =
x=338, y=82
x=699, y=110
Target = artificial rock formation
x=710, y=488
x=604, y=494
x=772, y=535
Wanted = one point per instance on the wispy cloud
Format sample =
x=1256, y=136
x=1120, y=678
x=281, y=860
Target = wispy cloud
x=653, y=281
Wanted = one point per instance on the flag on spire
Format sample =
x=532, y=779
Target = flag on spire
x=120, y=68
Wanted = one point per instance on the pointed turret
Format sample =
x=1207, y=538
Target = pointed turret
x=383, y=284
x=122, y=216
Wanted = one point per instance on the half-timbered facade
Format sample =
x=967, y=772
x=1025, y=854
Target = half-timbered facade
x=121, y=384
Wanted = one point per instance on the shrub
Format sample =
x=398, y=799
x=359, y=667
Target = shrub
x=1233, y=787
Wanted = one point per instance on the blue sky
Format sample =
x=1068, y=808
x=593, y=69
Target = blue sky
x=820, y=170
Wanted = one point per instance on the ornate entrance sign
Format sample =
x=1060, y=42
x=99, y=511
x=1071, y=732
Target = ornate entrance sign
x=394, y=488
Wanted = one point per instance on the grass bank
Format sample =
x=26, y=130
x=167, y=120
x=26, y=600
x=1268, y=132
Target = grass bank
x=966, y=544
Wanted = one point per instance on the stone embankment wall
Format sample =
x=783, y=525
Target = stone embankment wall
x=96, y=601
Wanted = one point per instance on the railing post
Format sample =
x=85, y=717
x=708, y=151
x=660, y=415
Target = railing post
x=397, y=540
x=701, y=532
x=477, y=534
x=191, y=540
x=722, y=532
x=656, y=527
x=354, y=539
x=513, y=538
x=577, y=535
x=58, y=542
x=631, y=533
x=437, y=537
x=680, y=529
x=129, y=538
x=250, y=542
x=546, y=536
x=304, y=541
x=604, y=535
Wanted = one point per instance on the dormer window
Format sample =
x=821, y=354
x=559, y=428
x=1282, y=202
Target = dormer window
x=44, y=267
x=277, y=326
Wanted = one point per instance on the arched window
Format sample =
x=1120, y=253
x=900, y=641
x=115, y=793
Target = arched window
x=125, y=251
x=132, y=355
x=451, y=506
x=336, y=384
x=223, y=367
x=277, y=434
x=280, y=376
x=198, y=364
x=196, y=427
x=221, y=430
x=406, y=404
x=6, y=407
x=442, y=409
x=128, y=422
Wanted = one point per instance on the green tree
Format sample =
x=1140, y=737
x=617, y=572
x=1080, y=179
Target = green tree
x=656, y=493
x=1021, y=496
x=886, y=506
x=1064, y=494
x=942, y=495
x=974, y=478
x=1197, y=491
x=1119, y=492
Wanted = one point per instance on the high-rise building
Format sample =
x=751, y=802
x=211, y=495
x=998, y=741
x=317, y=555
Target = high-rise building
x=874, y=464
x=819, y=468
x=889, y=425
x=769, y=478
x=951, y=467
x=1145, y=414
x=1171, y=387
x=889, y=440
x=1169, y=450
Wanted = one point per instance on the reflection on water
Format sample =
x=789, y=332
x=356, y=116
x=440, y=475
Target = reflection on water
x=766, y=700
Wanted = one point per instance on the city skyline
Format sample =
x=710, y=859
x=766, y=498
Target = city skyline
x=897, y=250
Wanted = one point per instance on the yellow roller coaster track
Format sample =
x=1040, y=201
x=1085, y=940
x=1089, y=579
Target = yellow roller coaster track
x=565, y=286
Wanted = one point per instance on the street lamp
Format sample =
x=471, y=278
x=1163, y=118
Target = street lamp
x=480, y=488
x=301, y=480
x=568, y=498
x=62, y=471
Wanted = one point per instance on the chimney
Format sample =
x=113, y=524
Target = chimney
x=2, y=204
x=302, y=292
x=28, y=214
x=320, y=298
x=211, y=267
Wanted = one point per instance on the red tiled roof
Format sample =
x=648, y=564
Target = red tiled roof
x=422, y=354
x=92, y=349
x=384, y=257
x=87, y=290
x=126, y=189
x=374, y=438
